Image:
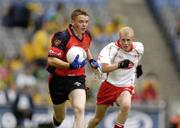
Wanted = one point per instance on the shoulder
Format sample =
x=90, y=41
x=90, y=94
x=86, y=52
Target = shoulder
x=110, y=47
x=139, y=47
x=63, y=36
x=111, y=44
x=89, y=34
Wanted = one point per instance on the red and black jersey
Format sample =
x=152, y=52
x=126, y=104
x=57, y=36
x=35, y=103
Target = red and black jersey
x=61, y=42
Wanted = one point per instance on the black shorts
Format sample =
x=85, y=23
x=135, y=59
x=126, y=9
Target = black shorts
x=60, y=87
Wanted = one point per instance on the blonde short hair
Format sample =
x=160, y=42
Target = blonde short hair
x=126, y=31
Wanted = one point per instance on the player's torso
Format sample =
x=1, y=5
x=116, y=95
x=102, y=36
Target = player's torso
x=74, y=41
x=122, y=77
x=118, y=54
x=69, y=41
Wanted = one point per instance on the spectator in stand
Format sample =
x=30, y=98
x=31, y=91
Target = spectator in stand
x=175, y=120
x=15, y=63
x=149, y=87
x=26, y=51
x=137, y=97
x=56, y=17
x=23, y=106
x=41, y=44
x=178, y=28
x=25, y=77
x=37, y=15
x=4, y=99
x=11, y=93
x=18, y=15
x=114, y=25
x=98, y=29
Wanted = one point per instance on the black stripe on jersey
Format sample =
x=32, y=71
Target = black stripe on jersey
x=89, y=34
x=50, y=69
x=63, y=37
x=54, y=56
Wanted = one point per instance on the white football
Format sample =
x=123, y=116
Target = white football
x=73, y=52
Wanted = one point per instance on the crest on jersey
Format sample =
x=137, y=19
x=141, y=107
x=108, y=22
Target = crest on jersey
x=57, y=42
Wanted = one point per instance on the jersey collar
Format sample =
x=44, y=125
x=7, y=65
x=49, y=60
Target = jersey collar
x=71, y=32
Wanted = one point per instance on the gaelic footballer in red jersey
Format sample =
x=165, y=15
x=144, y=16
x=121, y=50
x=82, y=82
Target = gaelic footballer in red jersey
x=61, y=43
x=67, y=80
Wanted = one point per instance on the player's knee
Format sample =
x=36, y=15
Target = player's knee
x=97, y=120
x=60, y=117
x=79, y=109
x=125, y=108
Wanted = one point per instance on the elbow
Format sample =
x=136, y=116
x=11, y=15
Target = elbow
x=50, y=61
x=104, y=70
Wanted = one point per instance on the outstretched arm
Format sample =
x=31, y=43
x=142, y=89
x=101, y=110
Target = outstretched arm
x=125, y=64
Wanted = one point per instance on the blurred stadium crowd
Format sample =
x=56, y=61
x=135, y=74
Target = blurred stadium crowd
x=25, y=31
x=26, y=28
x=167, y=13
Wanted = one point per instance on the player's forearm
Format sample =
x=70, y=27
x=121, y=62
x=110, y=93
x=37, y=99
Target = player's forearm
x=89, y=55
x=109, y=67
x=57, y=63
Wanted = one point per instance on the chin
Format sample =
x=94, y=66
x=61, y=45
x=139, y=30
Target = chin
x=127, y=50
x=83, y=32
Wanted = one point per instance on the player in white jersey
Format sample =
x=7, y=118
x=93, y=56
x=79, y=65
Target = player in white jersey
x=120, y=61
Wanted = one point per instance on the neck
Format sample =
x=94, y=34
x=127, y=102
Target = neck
x=118, y=43
x=79, y=35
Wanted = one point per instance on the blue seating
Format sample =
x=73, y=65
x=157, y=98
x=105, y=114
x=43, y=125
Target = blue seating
x=167, y=14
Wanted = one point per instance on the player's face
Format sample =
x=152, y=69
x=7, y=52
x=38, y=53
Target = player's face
x=126, y=43
x=80, y=23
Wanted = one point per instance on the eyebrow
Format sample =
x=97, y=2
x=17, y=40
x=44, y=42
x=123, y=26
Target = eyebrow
x=126, y=39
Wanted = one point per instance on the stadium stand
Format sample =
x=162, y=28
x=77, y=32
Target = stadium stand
x=105, y=19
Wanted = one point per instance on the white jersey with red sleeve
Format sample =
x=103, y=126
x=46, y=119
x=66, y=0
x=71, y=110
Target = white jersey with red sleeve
x=111, y=54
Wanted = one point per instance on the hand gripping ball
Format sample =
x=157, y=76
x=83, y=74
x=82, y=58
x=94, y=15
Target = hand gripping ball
x=73, y=52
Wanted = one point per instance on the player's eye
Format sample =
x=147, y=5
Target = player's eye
x=124, y=40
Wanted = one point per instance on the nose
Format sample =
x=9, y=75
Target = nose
x=126, y=42
x=84, y=24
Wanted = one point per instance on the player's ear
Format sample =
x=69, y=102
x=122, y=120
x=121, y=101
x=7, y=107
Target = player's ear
x=73, y=21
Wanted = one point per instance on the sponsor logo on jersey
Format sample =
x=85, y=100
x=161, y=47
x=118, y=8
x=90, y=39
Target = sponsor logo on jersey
x=77, y=84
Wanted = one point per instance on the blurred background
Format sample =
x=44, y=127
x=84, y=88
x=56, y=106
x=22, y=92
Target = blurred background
x=25, y=30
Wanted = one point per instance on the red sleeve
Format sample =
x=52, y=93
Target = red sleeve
x=55, y=52
x=58, y=44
